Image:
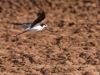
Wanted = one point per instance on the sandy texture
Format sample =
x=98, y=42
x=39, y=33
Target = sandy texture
x=70, y=45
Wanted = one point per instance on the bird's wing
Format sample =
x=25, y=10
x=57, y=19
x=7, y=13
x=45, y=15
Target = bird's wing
x=20, y=23
x=39, y=19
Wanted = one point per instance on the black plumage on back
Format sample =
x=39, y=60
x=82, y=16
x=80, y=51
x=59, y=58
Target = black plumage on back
x=39, y=19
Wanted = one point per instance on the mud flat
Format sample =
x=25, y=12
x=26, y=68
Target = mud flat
x=71, y=46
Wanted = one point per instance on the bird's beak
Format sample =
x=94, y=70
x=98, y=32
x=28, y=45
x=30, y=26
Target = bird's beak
x=49, y=27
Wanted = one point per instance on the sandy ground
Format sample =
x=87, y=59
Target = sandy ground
x=70, y=45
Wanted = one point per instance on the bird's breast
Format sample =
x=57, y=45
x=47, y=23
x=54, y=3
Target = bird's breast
x=36, y=28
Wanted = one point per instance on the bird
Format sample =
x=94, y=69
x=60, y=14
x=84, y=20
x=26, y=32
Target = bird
x=35, y=26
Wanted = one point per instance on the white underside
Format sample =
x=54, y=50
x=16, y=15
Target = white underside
x=37, y=27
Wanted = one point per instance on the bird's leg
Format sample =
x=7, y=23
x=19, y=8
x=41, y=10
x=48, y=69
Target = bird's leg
x=20, y=33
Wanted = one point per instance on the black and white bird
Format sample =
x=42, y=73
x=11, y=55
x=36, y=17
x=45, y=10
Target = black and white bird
x=35, y=26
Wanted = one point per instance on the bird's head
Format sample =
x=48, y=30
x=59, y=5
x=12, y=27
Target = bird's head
x=44, y=25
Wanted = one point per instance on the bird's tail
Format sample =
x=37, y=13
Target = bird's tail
x=26, y=25
x=23, y=24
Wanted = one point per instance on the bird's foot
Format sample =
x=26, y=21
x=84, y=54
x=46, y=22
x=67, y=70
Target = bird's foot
x=14, y=35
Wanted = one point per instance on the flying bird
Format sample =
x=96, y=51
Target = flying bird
x=35, y=26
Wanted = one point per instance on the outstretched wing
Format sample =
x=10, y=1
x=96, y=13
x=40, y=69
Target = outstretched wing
x=19, y=23
x=39, y=19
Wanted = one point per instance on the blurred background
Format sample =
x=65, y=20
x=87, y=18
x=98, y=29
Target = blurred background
x=68, y=46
